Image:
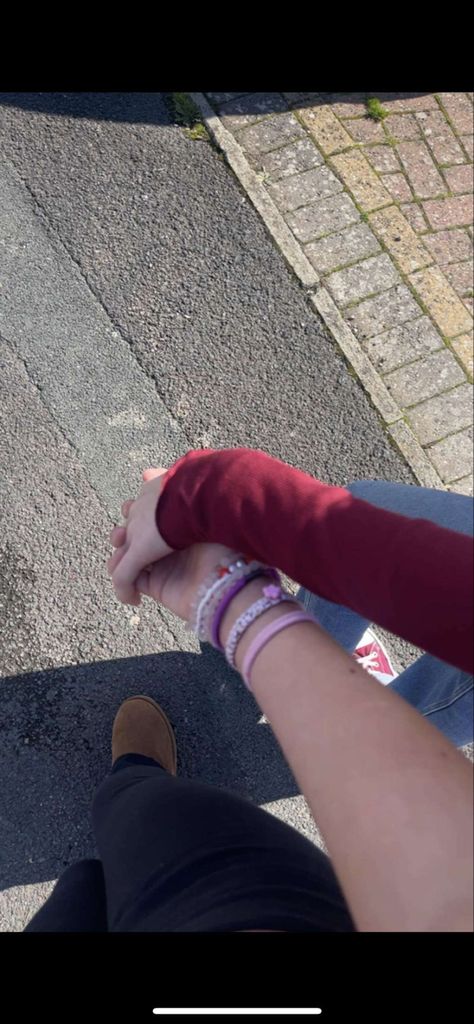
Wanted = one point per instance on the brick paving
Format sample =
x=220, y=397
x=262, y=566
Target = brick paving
x=383, y=210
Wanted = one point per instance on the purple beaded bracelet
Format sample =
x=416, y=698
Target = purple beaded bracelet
x=230, y=594
x=272, y=595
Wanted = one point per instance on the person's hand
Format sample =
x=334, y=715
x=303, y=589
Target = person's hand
x=138, y=544
x=175, y=580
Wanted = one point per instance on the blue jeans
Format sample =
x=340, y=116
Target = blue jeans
x=440, y=692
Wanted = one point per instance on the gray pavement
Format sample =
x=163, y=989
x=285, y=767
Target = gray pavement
x=143, y=311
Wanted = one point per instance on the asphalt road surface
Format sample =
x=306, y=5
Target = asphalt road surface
x=143, y=311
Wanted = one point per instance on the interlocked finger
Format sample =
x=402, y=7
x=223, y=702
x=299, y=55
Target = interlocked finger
x=117, y=536
x=124, y=576
x=126, y=508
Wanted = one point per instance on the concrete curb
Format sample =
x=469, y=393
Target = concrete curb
x=355, y=355
x=320, y=298
x=271, y=216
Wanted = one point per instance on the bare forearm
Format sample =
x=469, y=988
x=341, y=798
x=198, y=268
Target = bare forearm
x=392, y=797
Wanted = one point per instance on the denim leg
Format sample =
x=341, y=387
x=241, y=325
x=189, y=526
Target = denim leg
x=442, y=693
x=437, y=690
x=344, y=625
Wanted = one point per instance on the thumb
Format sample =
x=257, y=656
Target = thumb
x=150, y=581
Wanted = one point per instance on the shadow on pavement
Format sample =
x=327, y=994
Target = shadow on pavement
x=277, y=102
x=150, y=108
x=127, y=107
x=55, y=729
x=321, y=98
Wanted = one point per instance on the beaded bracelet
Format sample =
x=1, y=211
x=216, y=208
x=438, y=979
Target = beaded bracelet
x=272, y=596
x=210, y=593
x=211, y=585
x=263, y=571
x=229, y=595
x=212, y=598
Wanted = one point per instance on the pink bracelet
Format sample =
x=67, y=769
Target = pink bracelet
x=265, y=635
x=264, y=572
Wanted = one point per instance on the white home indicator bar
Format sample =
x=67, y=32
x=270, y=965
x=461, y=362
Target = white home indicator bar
x=239, y=1010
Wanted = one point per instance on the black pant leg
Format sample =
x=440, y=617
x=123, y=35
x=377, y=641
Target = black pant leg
x=77, y=902
x=160, y=837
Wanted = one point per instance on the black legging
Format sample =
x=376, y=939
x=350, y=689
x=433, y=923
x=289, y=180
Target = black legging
x=177, y=855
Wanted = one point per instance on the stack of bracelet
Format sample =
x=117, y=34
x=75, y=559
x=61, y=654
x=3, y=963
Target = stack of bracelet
x=216, y=593
x=272, y=594
x=218, y=590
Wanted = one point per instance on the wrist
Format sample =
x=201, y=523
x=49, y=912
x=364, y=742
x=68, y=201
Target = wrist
x=239, y=604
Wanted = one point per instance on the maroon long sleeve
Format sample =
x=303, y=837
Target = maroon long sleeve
x=408, y=575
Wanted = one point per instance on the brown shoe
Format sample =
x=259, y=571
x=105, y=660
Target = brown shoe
x=141, y=727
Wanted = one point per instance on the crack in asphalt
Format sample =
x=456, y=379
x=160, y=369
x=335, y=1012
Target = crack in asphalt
x=64, y=250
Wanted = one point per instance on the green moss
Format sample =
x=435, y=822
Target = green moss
x=187, y=114
x=375, y=109
x=198, y=131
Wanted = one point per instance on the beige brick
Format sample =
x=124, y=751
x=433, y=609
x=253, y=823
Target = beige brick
x=433, y=123
x=365, y=130
x=448, y=312
x=402, y=126
x=355, y=242
x=302, y=189
x=449, y=246
x=375, y=315
x=348, y=104
x=321, y=218
x=271, y=133
x=428, y=377
x=414, y=216
x=398, y=187
x=459, y=110
x=461, y=277
x=464, y=349
x=453, y=212
x=420, y=169
x=383, y=159
x=446, y=148
x=299, y=156
x=443, y=414
x=403, y=344
x=464, y=486
x=362, y=181
x=452, y=457
x=325, y=129
x=401, y=241
x=460, y=179
x=398, y=102
x=375, y=274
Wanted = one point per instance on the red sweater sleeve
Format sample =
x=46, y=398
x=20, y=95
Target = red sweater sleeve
x=408, y=575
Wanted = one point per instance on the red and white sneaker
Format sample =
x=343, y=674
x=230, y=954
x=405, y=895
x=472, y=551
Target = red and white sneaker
x=372, y=655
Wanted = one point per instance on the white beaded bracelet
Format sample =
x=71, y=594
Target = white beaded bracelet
x=211, y=590
x=272, y=595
